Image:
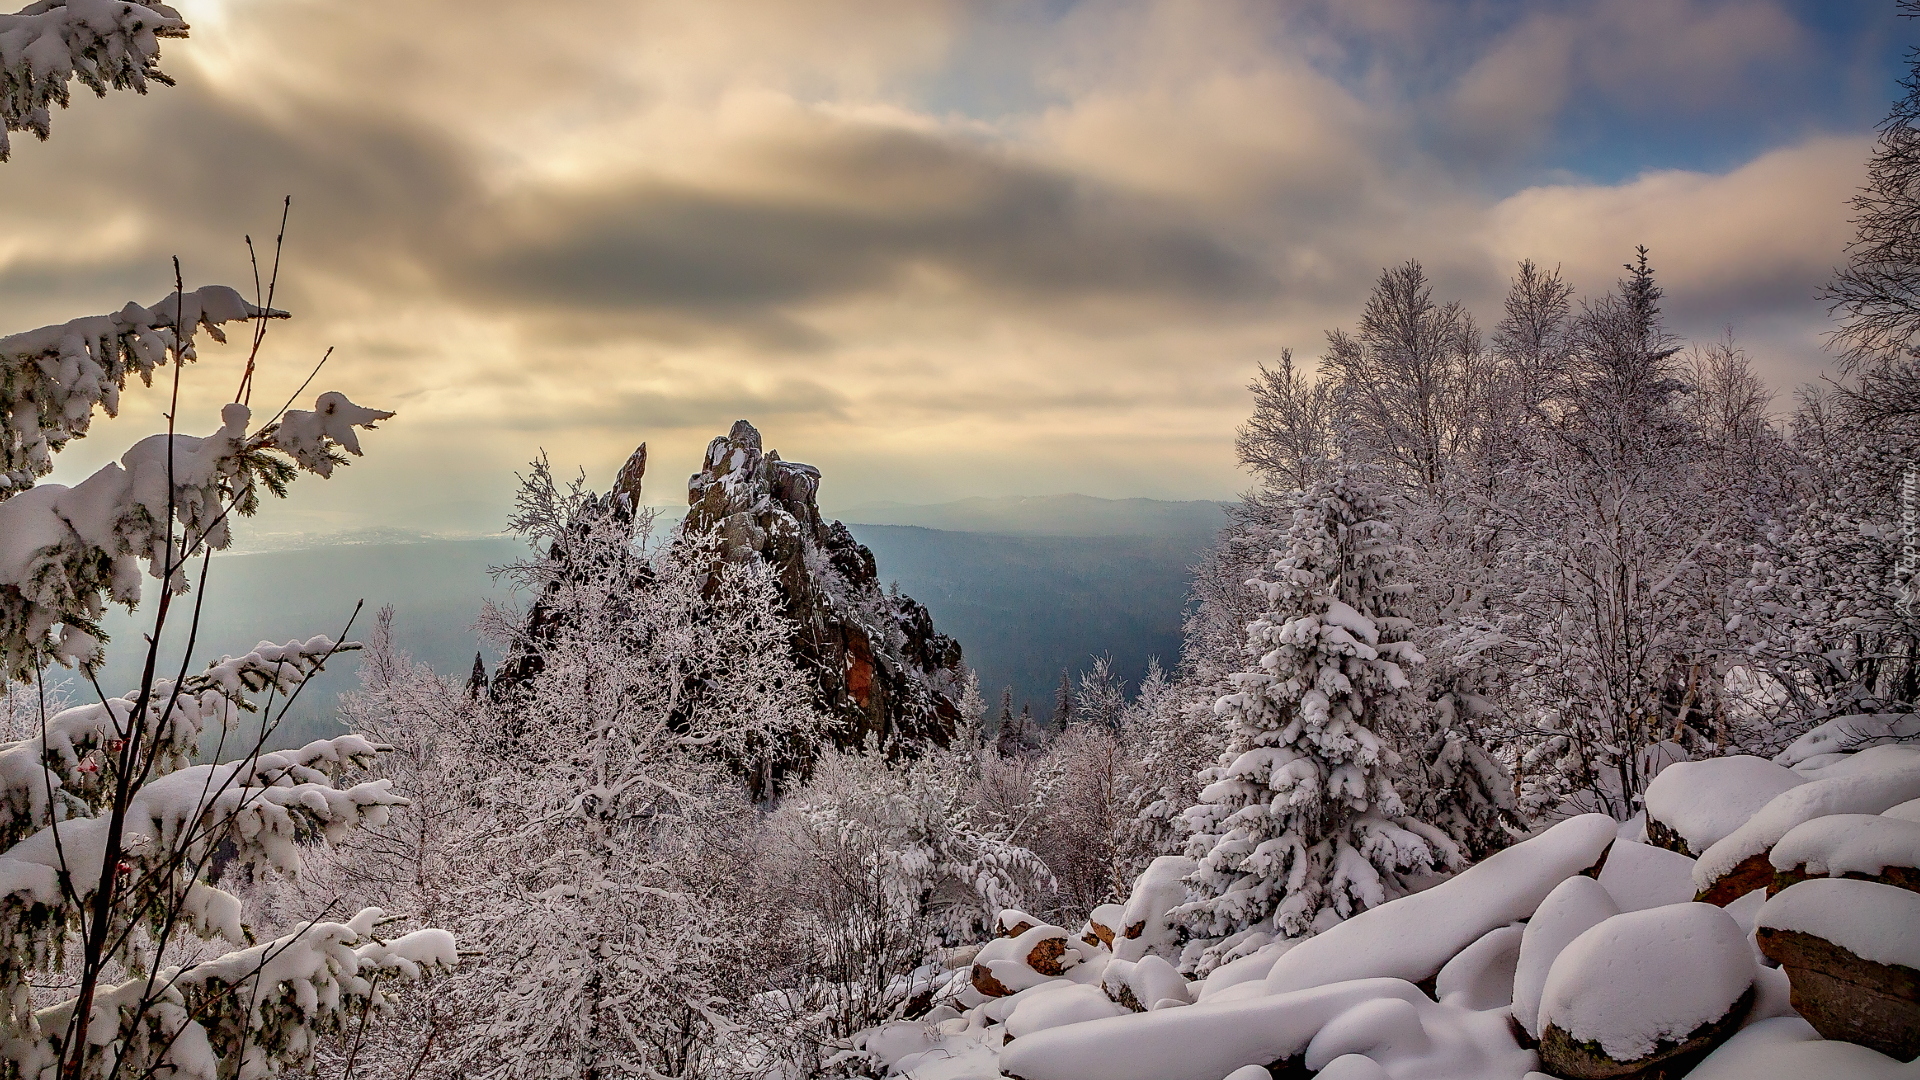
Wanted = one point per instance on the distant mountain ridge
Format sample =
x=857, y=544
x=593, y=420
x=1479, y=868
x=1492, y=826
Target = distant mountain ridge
x=1048, y=515
x=1029, y=586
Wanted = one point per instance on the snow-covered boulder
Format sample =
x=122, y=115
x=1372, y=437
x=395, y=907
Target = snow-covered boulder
x=1645, y=993
x=1867, y=783
x=1148, y=983
x=1641, y=876
x=1906, y=811
x=1104, y=924
x=1788, y=1048
x=1481, y=977
x=1012, y=922
x=1059, y=1004
x=1876, y=847
x=1691, y=805
x=1386, y=1021
x=1008, y=965
x=1413, y=937
x=1576, y=906
x=1852, y=952
x=1144, y=926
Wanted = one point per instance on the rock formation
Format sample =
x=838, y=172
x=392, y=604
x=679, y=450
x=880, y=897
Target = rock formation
x=879, y=669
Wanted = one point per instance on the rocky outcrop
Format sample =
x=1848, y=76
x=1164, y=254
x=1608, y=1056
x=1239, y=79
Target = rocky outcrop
x=1851, y=951
x=878, y=668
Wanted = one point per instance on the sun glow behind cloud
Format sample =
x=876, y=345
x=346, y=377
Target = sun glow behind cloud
x=940, y=249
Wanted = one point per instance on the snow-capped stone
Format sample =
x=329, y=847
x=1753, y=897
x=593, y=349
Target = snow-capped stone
x=1413, y=938
x=1144, y=923
x=1878, y=847
x=1200, y=1042
x=1852, y=951
x=1848, y=733
x=1661, y=988
x=1576, y=906
x=1867, y=783
x=1057, y=1005
x=1481, y=977
x=1691, y=805
x=1642, y=876
x=1788, y=1048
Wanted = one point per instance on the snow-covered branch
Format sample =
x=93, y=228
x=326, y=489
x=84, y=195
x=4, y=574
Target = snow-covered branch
x=106, y=44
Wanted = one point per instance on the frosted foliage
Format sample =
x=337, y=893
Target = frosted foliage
x=603, y=951
x=246, y=1014
x=106, y=44
x=1300, y=825
x=53, y=378
x=65, y=552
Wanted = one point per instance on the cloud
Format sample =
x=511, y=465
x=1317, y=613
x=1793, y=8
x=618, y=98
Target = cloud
x=1764, y=235
x=932, y=242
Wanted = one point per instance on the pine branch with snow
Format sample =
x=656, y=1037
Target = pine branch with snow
x=105, y=44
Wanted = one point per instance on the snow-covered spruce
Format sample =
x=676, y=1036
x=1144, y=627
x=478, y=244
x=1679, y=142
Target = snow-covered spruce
x=1300, y=826
x=106, y=44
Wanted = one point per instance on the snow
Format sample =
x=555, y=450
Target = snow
x=1578, y=905
x=1703, y=801
x=1481, y=977
x=1787, y=1048
x=1646, y=977
x=1906, y=811
x=1059, y=1004
x=1371, y=1028
x=1412, y=938
x=1872, y=781
x=1849, y=844
x=1875, y=922
x=1642, y=876
x=1145, y=926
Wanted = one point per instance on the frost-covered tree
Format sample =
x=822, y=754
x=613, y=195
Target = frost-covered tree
x=1299, y=825
x=585, y=872
x=1171, y=734
x=112, y=837
x=873, y=865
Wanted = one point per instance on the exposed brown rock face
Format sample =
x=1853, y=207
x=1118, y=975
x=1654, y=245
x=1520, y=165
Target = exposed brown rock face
x=1752, y=872
x=877, y=665
x=1900, y=877
x=1562, y=1055
x=1846, y=997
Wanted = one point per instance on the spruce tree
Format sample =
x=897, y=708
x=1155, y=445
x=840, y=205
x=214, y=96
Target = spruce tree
x=1299, y=826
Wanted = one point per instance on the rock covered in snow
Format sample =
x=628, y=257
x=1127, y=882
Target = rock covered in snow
x=1854, y=732
x=1788, y=1048
x=1481, y=977
x=1864, y=783
x=1574, y=907
x=1387, y=1021
x=1874, y=847
x=1413, y=937
x=1852, y=952
x=1691, y=805
x=878, y=665
x=1145, y=924
x=1640, y=876
x=1645, y=993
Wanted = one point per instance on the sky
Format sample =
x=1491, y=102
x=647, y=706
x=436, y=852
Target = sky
x=939, y=249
